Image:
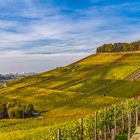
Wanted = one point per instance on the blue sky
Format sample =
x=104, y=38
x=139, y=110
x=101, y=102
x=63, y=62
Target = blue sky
x=64, y=27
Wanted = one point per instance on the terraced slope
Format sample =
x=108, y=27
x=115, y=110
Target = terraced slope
x=80, y=88
x=69, y=92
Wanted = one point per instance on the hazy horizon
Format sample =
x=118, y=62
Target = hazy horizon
x=37, y=63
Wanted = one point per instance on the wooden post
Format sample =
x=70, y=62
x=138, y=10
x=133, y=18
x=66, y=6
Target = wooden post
x=128, y=116
x=138, y=98
x=127, y=111
x=129, y=126
x=95, y=131
x=137, y=117
x=23, y=114
x=81, y=128
x=59, y=134
x=105, y=123
x=123, y=127
x=112, y=134
x=115, y=125
x=127, y=107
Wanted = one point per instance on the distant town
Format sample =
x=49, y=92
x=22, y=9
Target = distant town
x=12, y=76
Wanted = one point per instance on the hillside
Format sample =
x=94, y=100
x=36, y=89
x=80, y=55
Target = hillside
x=80, y=88
x=65, y=94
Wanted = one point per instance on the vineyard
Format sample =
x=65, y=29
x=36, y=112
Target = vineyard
x=105, y=124
x=134, y=76
x=84, y=100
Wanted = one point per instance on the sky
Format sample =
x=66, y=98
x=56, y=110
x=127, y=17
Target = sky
x=38, y=35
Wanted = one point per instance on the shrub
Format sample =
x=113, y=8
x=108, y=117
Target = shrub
x=28, y=109
x=16, y=109
x=3, y=111
x=15, y=112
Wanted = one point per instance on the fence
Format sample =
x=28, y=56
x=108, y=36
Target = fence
x=105, y=124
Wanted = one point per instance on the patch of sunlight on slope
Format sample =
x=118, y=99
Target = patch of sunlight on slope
x=120, y=72
x=123, y=68
x=100, y=59
x=76, y=86
x=55, y=84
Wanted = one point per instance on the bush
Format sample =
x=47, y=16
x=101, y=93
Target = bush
x=28, y=109
x=15, y=112
x=3, y=111
x=16, y=109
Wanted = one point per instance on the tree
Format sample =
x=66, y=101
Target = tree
x=119, y=47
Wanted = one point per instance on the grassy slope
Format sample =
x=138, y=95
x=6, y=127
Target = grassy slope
x=79, y=88
x=72, y=91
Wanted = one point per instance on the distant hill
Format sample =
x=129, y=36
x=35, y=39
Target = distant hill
x=80, y=88
x=119, y=47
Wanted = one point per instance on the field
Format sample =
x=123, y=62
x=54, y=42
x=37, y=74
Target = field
x=67, y=93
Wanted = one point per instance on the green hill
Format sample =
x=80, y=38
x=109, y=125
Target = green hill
x=67, y=93
x=80, y=88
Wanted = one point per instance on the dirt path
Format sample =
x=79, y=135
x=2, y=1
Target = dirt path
x=136, y=135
